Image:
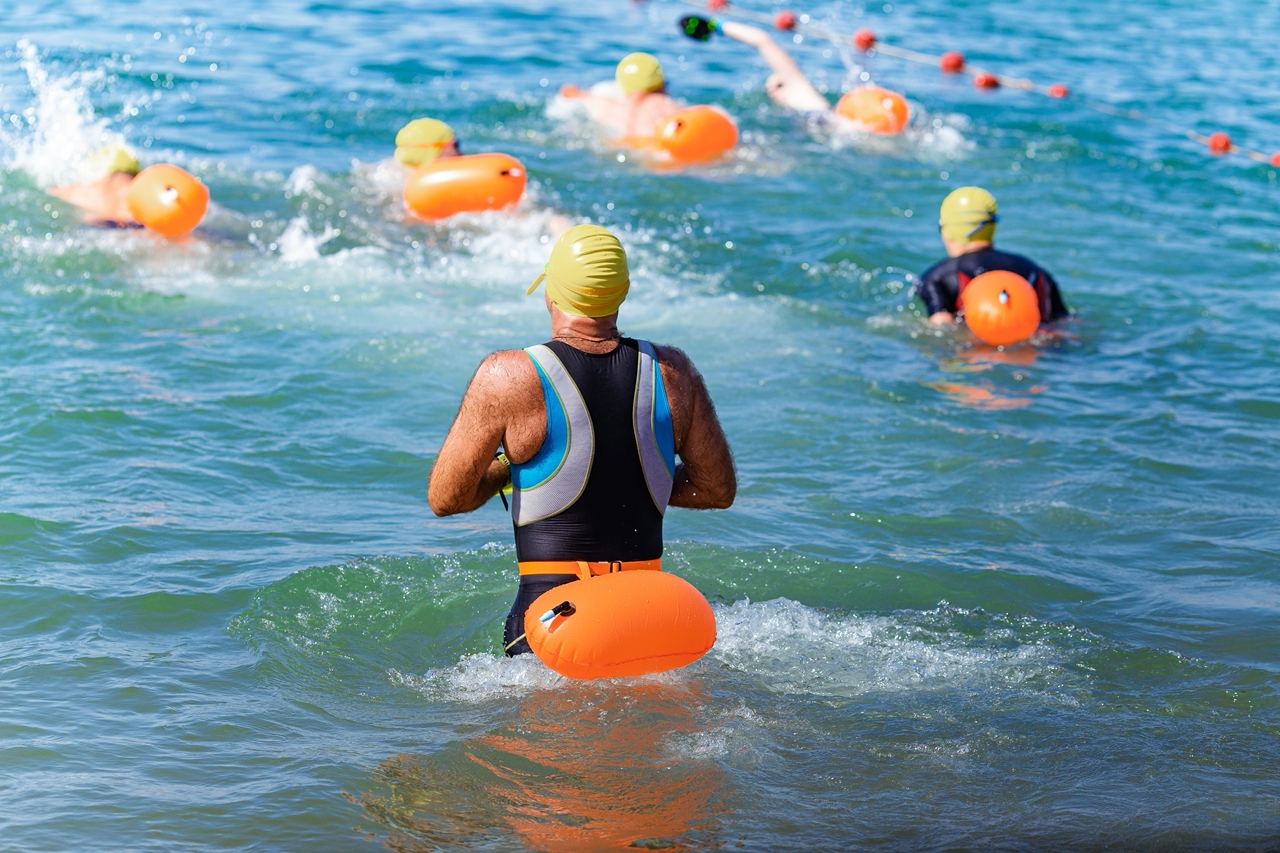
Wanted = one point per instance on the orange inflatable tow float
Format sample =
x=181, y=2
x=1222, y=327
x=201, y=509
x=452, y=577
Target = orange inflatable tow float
x=1000, y=308
x=693, y=136
x=875, y=110
x=620, y=624
x=466, y=184
x=167, y=200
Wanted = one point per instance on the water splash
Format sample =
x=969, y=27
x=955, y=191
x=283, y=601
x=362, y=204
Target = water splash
x=52, y=138
x=299, y=244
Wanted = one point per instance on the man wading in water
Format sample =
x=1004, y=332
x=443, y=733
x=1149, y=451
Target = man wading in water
x=590, y=425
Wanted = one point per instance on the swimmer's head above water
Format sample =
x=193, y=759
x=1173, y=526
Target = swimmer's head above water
x=967, y=218
x=640, y=73
x=423, y=140
x=587, y=273
x=114, y=160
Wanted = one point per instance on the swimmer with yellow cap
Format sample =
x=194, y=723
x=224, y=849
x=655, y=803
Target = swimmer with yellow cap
x=102, y=199
x=967, y=223
x=596, y=434
x=423, y=141
x=639, y=104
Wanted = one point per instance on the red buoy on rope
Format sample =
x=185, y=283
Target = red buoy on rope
x=1219, y=143
x=717, y=5
x=1057, y=90
x=1275, y=159
x=864, y=40
x=785, y=21
x=952, y=62
x=986, y=81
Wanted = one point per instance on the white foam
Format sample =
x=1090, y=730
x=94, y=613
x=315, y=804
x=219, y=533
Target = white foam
x=380, y=183
x=298, y=244
x=481, y=678
x=927, y=137
x=302, y=181
x=53, y=137
x=791, y=648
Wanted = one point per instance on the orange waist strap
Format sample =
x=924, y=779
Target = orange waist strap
x=585, y=569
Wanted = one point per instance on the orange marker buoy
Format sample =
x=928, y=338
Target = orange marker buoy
x=697, y=135
x=622, y=624
x=864, y=40
x=986, y=80
x=1057, y=90
x=465, y=184
x=785, y=21
x=1000, y=308
x=1219, y=143
x=877, y=110
x=167, y=200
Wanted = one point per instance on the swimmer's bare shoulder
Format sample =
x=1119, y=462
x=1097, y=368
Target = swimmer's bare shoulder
x=705, y=477
x=506, y=390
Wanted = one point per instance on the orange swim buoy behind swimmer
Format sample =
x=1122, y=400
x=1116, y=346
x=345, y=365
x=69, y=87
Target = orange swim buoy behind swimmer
x=167, y=200
x=1000, y=308
x=697, y=135
x=877, y=110
x=621, y=624
x=466, y=184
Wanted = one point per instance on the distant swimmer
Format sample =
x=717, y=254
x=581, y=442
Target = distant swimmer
x=638, y=107
x=590, y=425
x=425, y=140
x=967, y=222
x=867, y=108
x=103, y=201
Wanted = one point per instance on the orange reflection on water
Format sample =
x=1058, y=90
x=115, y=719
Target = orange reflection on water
x=982, y=358
x=589, y=767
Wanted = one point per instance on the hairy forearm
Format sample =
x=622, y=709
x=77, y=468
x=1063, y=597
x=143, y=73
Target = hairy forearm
x=457, y=497
x=704, y=492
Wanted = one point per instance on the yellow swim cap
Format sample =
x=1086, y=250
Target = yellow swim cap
x=639, y=72
x=113, y=159
x=968, y=214
x=587, y=273
x=420, y=141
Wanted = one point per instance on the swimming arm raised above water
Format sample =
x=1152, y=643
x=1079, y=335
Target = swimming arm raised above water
x=705, y=477
x=787, y=86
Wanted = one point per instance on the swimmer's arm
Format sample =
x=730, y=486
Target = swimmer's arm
x=705, y=477
x=788, y=86
x=77, y=195
x=939, y=301
x=605, y=109
x=466, y=474
x=1058, y=306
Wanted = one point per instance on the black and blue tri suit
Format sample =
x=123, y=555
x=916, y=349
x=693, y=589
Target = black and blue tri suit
x=596, y=490
x=941, y=285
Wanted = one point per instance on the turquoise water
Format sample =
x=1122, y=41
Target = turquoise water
x=965, y=599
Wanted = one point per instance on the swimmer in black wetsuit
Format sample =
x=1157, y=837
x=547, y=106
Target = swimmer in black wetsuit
x=967, y=221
